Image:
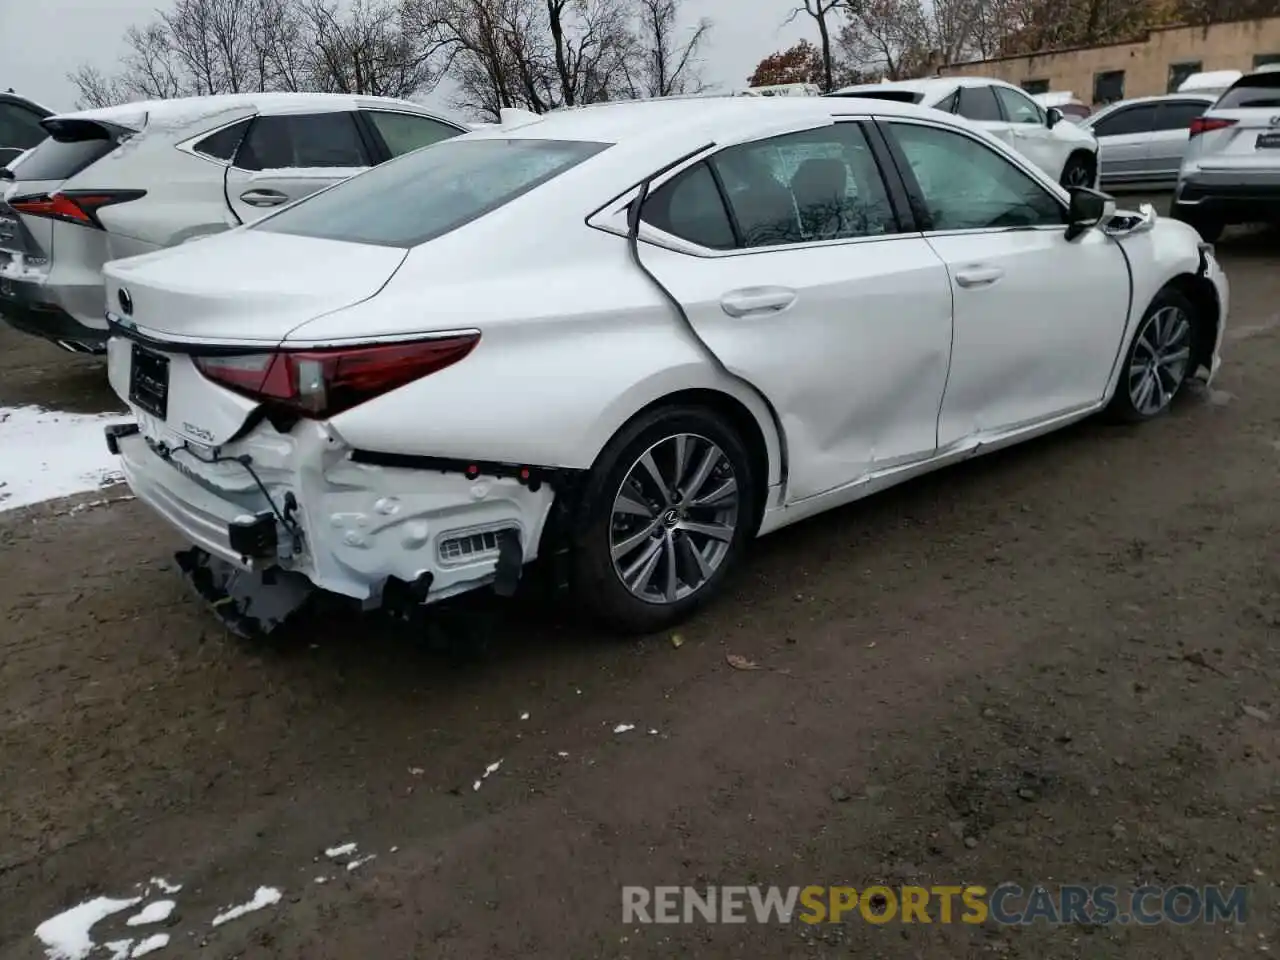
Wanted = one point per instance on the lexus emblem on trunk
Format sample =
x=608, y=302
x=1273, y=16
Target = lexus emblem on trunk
x=126, y=301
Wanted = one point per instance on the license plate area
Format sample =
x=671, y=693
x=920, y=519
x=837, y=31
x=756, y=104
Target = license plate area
x=149, y=382
x=1268, y=141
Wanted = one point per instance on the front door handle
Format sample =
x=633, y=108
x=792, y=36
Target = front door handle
x=754, y=301
x=978, y=276
x=264, y=198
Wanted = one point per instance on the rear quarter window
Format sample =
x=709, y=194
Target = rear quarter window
x=430, y=192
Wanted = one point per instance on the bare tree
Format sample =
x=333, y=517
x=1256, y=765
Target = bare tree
x=664, y=63
x=819, y=10
x=366, y=50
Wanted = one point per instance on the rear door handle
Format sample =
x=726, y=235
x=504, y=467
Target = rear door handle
x=753, y=301
x=979, y=276
x=264, y=198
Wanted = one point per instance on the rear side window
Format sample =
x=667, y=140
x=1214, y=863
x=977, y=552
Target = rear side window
x=71, y=149
x=222, y=144
x=1178, y=114
x=405, y=132
x=303, y=140
x=979, y=103
x=19, y=127
x=426, y=194
x=1127, y=121
x=1258, y=91
x=690, y=207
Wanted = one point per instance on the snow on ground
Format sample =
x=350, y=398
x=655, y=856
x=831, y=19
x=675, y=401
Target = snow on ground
x=48, y=453
x=66, y=936
x=152, y=913
x=265, y=897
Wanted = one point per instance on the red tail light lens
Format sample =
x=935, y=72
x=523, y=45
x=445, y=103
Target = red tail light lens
x=77, y=207
x=1207, y=124
x=322, y=383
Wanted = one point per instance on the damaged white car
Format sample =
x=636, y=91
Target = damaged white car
x=628, y=339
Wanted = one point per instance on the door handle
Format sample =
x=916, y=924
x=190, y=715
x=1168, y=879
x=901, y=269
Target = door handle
x=979, y=276
x=264, y=198
x=757, y=300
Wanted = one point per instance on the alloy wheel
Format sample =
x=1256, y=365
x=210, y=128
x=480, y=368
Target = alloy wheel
x=1161, y=356
x=674, y=519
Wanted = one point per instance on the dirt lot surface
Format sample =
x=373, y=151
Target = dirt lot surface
x=1035, y=667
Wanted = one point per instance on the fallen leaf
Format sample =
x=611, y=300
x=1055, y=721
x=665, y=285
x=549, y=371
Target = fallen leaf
x=677, y=641
x=740, y=663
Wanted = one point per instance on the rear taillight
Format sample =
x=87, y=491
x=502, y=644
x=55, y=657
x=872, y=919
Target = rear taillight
x=1208, y=124
x=321, y=383
x=79, y=206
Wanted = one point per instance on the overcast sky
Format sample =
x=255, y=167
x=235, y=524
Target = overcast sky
x=90, y=31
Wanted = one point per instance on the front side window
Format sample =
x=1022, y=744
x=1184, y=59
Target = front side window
x=428, y=193
x=965, y=185
x=979, y=103
x=405, y=132
x=301, y=141
x=1126, y=121
x=1019, y=108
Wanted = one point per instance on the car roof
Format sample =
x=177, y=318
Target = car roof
x=183, y=110
x=696, y=120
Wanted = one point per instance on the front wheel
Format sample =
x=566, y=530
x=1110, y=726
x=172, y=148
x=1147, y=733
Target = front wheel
x=1080, y=171
x=1159, y=359
x=667, y=512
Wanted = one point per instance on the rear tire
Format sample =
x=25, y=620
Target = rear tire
x=1158, y=361
x=665, y=516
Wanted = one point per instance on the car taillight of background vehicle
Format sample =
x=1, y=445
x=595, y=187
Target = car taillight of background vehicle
x=1208, y=124
x=318, y=384
x=77, y=207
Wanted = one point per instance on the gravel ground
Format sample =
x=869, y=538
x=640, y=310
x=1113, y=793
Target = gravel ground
x=1054, y=664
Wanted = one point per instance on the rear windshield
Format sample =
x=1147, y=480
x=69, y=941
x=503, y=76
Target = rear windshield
x=897, y=96
x=67, y=152
x=1262, y=91
x=430, y=192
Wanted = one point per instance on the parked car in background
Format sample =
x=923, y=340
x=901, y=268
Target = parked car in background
x=604, y=337
x=1063, y=150
x=1213, y=82
x=1142, y=140
x=1072, y=108
x=1231, y=169
x=20, y=128
x=128, y=180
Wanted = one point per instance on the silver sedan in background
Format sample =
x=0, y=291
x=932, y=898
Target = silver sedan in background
x=1141, y=141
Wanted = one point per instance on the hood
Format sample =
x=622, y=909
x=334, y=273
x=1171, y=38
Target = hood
x=244, y=285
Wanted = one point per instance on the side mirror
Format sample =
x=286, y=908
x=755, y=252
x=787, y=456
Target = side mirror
x=1053, y=117
x=1089, y=208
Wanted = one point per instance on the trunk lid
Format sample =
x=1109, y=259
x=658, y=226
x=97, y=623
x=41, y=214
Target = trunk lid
x=245, y=286
x=1252, y=140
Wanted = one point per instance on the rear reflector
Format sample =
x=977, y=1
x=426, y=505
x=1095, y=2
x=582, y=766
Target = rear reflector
x=1208, y=124
x=76, y=207
x=322, y=383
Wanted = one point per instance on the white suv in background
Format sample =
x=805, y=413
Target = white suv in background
x=1063, y=150
x=128, y=180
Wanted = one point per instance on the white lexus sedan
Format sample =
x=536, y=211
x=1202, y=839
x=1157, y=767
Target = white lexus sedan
x=627, y=339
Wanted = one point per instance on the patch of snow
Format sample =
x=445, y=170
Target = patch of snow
x=120, y=949
x=361, y=862
x=152, y=913
x=394, y=849
x=653, y=733
x=264, y=897
x=66, y=936
x=164, y=886
x=344, y=850
x=322, y=879
x=157, y=941
x=489, y=771
x=525, y=715
x=624, y=728
x=51, y=454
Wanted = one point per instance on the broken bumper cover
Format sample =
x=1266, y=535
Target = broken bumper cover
x=364, y=531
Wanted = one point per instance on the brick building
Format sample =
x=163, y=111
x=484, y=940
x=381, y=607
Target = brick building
x=1154, y=64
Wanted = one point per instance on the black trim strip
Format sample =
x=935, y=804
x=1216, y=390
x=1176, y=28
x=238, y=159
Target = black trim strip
x=899, y=202
x=529, y=475
x=116, y=328
x=915, y=196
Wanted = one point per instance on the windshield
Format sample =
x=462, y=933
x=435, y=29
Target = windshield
x=430, y=192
